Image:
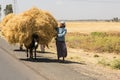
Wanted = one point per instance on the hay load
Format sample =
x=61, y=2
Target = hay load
x=21, y=27
x=7, y=18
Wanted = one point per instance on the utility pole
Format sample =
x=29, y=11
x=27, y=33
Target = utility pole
x=2, y=10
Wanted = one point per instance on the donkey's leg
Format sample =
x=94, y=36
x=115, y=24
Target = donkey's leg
x=31, y=53
x=27, y=53
x=35, y=53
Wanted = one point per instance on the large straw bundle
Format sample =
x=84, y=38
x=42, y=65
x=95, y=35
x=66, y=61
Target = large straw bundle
x=6, y=19
x=19, y=28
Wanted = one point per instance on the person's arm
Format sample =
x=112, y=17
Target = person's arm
x=63, y=33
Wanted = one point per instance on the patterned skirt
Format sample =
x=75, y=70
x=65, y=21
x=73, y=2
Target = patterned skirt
x=61, y=49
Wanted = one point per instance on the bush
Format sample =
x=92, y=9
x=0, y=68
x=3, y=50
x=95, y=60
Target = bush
x=115, y=64
x=104, y=62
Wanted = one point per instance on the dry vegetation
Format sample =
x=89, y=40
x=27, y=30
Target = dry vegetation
x=96, y=41
x=88, y=27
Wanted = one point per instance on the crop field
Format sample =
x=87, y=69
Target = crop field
x=88, y=27
x=94, y=36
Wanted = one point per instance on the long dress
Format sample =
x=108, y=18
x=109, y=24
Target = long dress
x=60, y=43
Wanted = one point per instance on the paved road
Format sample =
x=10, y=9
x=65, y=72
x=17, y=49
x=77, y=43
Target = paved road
x=11, y=68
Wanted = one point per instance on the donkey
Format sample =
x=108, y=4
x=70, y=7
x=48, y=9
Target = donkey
x=32, y=46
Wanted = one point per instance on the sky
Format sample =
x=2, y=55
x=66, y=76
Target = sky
x=72, y=9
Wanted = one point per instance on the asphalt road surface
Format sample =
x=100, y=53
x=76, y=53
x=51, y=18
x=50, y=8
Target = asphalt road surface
x=11, y=68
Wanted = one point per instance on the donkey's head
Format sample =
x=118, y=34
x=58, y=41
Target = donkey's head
x=35, y=39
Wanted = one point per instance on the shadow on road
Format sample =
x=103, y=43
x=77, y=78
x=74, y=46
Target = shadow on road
x=45, y=52
x=46, y=59
x=49, y=60
x=18, y=50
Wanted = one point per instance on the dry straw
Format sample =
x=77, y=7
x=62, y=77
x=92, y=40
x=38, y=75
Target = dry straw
x=6, y=19
x=19, y=28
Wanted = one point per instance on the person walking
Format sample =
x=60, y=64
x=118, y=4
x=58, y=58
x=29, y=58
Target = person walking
x=42, y=47
x=60, y=41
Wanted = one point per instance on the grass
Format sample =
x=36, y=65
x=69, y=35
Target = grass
x=96, y=41
x=104, y=62
x=115, y=63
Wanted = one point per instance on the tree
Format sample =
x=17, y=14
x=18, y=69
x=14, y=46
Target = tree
x=8, y=9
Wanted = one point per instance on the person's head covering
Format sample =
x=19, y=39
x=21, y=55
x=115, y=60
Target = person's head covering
x=62, y=22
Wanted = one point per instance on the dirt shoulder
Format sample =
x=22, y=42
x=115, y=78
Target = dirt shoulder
x=89, y=64
x=96, y=69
